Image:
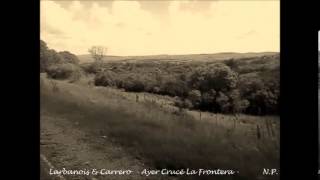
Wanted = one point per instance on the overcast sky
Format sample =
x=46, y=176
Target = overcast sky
x=161, y=27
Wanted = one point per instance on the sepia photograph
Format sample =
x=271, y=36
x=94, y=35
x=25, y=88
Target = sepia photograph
x=157, y=90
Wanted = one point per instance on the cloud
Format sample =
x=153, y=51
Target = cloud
x=128, y=29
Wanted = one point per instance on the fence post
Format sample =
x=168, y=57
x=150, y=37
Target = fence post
x=258, y=132
x=267, y=127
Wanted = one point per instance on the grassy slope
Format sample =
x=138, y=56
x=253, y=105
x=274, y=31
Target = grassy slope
x=166, y=140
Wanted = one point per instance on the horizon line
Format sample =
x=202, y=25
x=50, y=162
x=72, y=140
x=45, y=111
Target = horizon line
x=225, y=52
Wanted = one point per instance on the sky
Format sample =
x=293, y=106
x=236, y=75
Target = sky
x=161, y=27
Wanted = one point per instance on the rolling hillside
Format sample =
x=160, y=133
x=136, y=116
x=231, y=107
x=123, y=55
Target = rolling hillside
x=86, y=58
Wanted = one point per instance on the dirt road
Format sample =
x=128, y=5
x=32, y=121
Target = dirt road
x=64, y=145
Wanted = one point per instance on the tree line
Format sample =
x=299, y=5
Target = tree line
x=230, y=86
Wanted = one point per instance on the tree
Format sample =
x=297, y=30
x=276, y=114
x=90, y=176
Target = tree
x=69, y=57
x=48, y=57
x=43, y=54
x=217, y=76
x=237, y=103
x=97, y=53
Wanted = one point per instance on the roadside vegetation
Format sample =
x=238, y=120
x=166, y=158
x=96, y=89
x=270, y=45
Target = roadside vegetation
x=168, y=140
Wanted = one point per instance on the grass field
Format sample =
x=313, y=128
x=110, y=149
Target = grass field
x=152, y=129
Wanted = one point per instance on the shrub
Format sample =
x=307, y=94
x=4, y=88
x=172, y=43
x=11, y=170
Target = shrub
x=187, y=104
x=174, y=87
x=94, y=68
x=133, y=83
x=106, y=78
x=62, y=71
x=195, y=97
x=150, y=84
x=76, y=75
x=183, y=103
x=241, y=106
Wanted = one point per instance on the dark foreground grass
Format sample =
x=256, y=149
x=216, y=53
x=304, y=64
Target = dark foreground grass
x=172, y=141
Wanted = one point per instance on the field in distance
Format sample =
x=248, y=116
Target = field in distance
x=86, y=58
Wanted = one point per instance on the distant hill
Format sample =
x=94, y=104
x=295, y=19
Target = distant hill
x=86, y=58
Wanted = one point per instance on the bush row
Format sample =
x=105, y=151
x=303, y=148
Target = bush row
x=59, y=65
x=215, y=87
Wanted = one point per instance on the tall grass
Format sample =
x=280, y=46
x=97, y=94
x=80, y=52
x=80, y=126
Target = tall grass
x=164, y=140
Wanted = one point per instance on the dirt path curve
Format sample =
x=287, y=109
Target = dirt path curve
x=66, y=146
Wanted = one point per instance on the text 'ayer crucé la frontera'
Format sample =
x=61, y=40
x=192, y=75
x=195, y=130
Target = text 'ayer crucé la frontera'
x=188, y=171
